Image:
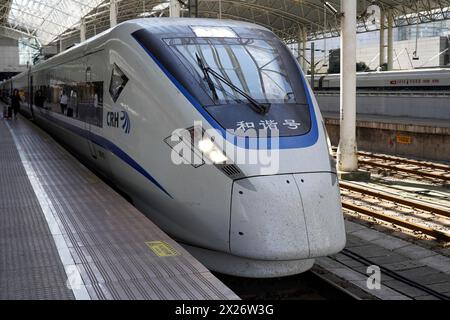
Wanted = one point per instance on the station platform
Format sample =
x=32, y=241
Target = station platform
x=65, y=234
x=409, y=124
x=414, y=137
x=408, y=271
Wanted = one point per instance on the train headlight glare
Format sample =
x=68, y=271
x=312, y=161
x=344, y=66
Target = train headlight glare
x=206, y=146
x=217, y=157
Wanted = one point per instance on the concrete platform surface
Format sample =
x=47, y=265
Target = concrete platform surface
x=64, y=234
x=420, y=265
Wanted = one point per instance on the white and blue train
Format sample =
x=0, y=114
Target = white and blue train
x=117, y=99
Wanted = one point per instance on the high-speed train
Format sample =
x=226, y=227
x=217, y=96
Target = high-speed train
x=127, y=100
x=416, y=80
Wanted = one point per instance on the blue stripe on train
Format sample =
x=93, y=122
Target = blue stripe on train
x=108, y=145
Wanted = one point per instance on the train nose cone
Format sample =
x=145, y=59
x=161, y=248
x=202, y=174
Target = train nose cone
x=287, y=217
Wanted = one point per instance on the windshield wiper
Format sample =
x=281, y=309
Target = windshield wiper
x=262, y=108
x=204, y=68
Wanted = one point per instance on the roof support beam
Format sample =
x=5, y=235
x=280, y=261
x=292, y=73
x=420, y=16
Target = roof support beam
x=13, y=33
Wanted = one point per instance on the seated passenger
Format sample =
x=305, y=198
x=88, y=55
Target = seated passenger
x=63, y=102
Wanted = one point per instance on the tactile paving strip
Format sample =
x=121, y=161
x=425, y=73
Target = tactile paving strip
x=30, y=267
x=106, y=236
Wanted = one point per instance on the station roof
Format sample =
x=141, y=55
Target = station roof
x=47, y=20
x=44, y=19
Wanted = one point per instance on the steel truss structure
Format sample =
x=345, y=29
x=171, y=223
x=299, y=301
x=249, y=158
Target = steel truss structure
x=52, y=20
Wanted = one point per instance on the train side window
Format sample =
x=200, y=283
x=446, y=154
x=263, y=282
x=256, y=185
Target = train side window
x=118, y=82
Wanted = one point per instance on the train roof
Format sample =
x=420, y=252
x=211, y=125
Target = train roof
x=161, y=26
x=172, y=25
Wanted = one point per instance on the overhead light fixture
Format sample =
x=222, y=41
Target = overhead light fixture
x=330, y=7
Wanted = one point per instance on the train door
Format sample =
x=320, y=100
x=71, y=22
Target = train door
x=94, y=124
x=31, y=96
x=90, y=118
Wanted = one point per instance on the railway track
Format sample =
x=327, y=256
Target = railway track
x=388, y=273
x=423, y=169
x=354, y=193
x=311, y=286
x=315, y=285
x=431, y=165
x=306, y=286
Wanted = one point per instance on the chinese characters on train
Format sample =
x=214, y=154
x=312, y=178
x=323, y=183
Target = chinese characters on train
x=267, y=125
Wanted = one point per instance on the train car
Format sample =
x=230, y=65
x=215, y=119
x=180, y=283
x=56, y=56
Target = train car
x=127, y=100
x=417, y=80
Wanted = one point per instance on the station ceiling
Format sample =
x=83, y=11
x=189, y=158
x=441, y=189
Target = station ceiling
x=47, y=20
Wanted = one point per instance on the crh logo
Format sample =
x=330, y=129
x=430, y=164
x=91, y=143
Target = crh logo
x=126, y=123
x=112, y=120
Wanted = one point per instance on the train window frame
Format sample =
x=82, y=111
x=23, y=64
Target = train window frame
x=116, y=90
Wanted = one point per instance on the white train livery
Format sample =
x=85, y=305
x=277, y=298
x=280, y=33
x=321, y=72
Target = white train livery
x=117, y=99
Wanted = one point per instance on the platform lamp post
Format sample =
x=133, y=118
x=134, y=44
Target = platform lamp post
x=382, y=38
x=175, y=9
x=347, y=151
x=113, y=13
x=83, y=30
x=193, y=8
x=390, y=50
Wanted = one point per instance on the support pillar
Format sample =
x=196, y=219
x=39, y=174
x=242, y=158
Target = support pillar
x=83, y=30
x=113, y=13
x=313, y=64
x=390, y=50
x=382, y=39
x=347, y=150
x=193, y=8
x=300, y=46
x=175, y=9
x=304, y=40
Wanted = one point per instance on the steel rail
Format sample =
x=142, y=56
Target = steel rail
x=442, y=176
x=399, y=222
x=396, y=199
x=430, y=165
x=404, y=160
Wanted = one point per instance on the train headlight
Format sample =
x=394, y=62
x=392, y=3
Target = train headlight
x=217, y=157
x=206, y=145
x=211, y=151
x=196, y=147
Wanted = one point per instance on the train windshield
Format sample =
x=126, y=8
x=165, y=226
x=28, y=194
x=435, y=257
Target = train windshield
x=252, y=65
x=245, y=83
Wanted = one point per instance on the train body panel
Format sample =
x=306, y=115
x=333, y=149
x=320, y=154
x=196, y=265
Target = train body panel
x=303, y=226
x=121, y=100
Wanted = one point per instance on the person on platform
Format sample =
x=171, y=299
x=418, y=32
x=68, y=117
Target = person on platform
x=15, y=102
x=64, y=100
